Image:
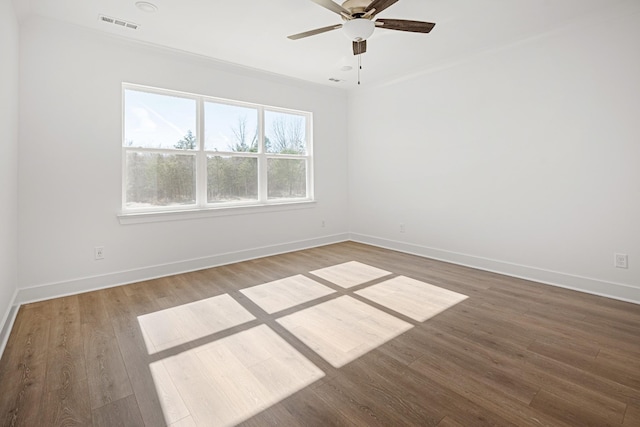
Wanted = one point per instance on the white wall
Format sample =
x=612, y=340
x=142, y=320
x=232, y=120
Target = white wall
x=524, y=159
x=8, y=160
x=70, y=164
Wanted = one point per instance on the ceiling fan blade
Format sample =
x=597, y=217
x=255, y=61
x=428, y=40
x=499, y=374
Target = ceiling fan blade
x=333, y=7
x=378, y=6
x=359, y=47
x=404, y=25
x=314, y=32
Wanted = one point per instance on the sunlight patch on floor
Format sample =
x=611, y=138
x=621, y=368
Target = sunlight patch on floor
x=286, y=293
x=350, y=274
x=229, y=380
x=178, y=325
x=413, y=298
x=343, y=329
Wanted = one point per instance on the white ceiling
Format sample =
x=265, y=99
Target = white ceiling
x=253, y=33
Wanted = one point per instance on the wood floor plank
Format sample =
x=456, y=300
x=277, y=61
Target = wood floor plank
x=68, y=406
x=94, y=312
x=465, y=320
x=122, y=310
x=120, y=413
x=65, y=362
x=494, y=400
x=572, y=410
x=449, y=422
x=421, y=400
x=479, y=362
x=514, y=352
x=632, y=414
x=276, y=415
x=67, y=390
x=23, y=372
x=561, y=377
x=372, y=374
x=619, y=366
x=566, y=351
x=323, y=406
x=106, y=373
x=588, y=333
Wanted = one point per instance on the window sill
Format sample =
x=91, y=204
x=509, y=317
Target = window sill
x=181, y=215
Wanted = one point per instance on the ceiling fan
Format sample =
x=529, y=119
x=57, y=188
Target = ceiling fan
x=359, y=17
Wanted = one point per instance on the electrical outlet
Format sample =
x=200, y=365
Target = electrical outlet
x=98, y=252
x=401, y=227
x=621, y=260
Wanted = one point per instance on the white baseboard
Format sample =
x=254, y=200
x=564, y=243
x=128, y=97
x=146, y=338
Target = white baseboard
x=7, y=322
x=86, y=284
x=75, y=286
x=598, y=287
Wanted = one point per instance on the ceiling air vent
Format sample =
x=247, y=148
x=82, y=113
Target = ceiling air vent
x=118, y=22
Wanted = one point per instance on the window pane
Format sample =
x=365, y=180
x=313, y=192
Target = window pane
x=230, y=128
x=285, y=133
x=155, y=179
x=232, y=179
x=159, y=121
x=286, y=178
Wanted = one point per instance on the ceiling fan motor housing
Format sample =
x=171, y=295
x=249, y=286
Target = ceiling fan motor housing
x=356, y=7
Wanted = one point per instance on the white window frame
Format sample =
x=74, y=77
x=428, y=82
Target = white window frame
x=202, y=207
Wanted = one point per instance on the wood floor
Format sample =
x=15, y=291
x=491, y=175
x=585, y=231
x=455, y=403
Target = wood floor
x=354, y=335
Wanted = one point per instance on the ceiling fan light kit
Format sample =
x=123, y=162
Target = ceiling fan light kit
x=358, y=29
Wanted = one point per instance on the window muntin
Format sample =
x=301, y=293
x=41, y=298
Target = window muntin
x=184, y=151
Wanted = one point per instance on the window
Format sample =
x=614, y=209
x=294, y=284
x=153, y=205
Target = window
x=188, y=152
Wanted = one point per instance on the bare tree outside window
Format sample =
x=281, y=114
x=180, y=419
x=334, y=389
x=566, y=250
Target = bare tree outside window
x=285, y=133
x=246, y=140
x=235, y=178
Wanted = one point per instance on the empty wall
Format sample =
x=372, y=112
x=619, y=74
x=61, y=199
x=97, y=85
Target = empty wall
x=523, y=159
x=70, y=164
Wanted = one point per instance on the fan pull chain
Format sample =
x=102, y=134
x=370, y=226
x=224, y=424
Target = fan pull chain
x=359, y=66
